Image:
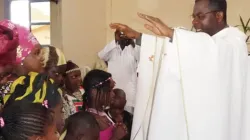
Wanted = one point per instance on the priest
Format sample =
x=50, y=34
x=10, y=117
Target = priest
x=191, y=85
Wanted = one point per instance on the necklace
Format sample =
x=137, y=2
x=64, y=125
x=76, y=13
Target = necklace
x=100, y=113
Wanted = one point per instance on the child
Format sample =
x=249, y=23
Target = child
x=82, y=126
x=27, y=121
x=73, y=89
x=98, y=86
x=117, y=112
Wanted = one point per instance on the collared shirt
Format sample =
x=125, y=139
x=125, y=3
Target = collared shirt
x=122, y=64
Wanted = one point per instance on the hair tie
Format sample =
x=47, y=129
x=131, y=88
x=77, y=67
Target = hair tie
x=2, y=122
x=45, y=103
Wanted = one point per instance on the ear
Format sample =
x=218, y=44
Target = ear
x=219, y=16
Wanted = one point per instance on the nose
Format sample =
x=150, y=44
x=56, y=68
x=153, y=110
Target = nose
x=195, y=22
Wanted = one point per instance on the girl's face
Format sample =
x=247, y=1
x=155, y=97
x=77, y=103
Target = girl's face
x=34, y=61
x=73, y=80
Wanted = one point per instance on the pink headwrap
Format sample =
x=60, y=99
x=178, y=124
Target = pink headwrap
x=8, y=42
x=17, y=44
x=27, y=41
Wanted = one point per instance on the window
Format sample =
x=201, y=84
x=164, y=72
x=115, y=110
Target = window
x=33, y=14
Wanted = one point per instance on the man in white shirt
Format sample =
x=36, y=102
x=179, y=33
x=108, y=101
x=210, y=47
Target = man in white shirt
x=195, y=88
x=122, y=56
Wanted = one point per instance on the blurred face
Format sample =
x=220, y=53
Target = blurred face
x=34, y=61
x=119, y=102
x=56, y=74
x=73, y=80
x=121, y=39
x=205, y=19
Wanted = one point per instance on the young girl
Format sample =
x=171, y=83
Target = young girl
x=73, y=91
x=27, y=121
x=37, y=88
x=98, y=94
x=82, y=126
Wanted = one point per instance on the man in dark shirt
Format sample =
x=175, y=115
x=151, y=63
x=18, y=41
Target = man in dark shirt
x=117, y=110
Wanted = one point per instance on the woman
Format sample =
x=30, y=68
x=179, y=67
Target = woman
x=37, y=88
x=98, y=86
x=33, y=122
x=20, y=50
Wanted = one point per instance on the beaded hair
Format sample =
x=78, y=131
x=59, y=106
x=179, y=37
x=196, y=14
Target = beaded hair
x=72, y=70
x=99, y=80
x=100, y=83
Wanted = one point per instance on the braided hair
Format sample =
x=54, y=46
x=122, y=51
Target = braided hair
x=22, y=120
x=35, y=88
x=99, y=80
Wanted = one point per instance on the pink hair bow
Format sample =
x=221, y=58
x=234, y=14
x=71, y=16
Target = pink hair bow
x=45, y=103
x=2, y=122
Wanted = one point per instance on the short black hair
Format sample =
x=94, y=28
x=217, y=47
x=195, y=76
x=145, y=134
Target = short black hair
x=25, y=119
x=218, y=5
x=80, y=121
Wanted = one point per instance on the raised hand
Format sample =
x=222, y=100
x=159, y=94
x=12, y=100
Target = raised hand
x=129, y=32
x=156, y=26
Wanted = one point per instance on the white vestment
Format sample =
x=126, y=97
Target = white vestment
x=122, y=64
x=194, y=88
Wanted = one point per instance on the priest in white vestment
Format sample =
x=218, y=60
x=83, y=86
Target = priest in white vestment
x=192, y=85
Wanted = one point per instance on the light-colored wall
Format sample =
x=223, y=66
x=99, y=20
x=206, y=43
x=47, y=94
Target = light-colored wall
x=1, y=9
x=80, y=30
x=84, y=24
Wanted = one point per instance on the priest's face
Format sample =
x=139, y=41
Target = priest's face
x=205, y=19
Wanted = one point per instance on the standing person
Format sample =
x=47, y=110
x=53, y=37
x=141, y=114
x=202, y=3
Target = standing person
x=20, y=51
x=117, y=110
x=27, y=50
x=200, y=84
x=122, y=56
x=98, y=86
x=73, y=88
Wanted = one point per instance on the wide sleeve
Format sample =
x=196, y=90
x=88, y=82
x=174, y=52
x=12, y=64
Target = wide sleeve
x=105, y=53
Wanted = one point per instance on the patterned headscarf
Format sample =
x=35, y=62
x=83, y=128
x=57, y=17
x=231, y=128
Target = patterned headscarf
x=36, y=88
x=27, y=41
x=8, y=42
x=16, y=42
x=53, y=56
